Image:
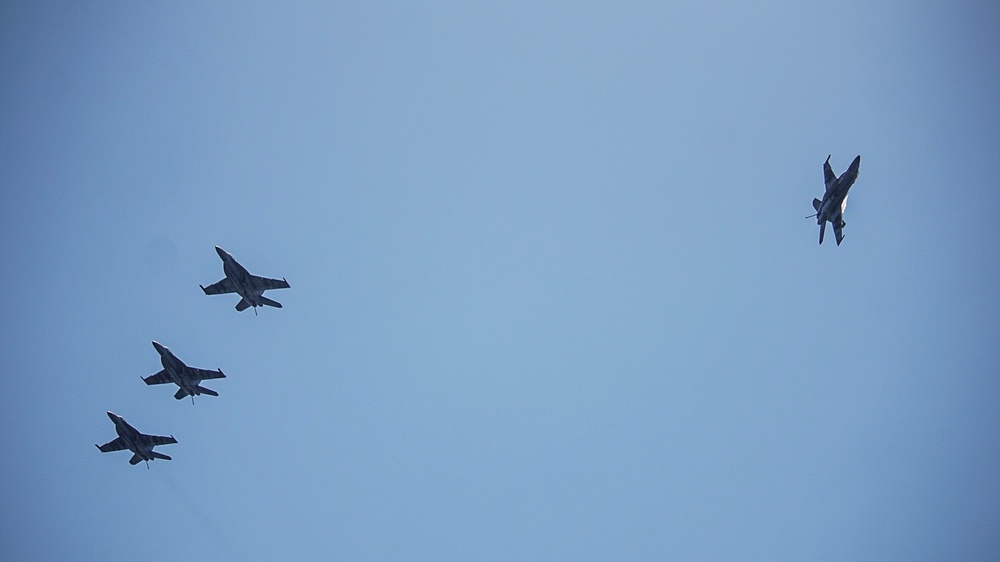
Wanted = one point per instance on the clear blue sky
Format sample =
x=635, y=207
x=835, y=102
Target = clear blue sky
x=553, y=295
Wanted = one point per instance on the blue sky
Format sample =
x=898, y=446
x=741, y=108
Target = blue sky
x=552, y=293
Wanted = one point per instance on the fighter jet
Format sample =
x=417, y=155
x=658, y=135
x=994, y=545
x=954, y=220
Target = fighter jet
x=238, y=280
x=834, y=202
x=140, y=444
x=188, y=378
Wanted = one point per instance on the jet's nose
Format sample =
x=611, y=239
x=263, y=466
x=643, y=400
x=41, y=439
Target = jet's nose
x=222, y=253
x=112, y=415
x=158, y=347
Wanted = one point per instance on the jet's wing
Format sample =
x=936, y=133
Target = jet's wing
x=159, y=440
x=159, y=378
x=117, y=444
x=264, y=284
x=205, y=374
x=828, y=176
x=222, y=287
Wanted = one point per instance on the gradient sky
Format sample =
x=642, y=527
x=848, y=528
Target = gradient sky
x=552, y=293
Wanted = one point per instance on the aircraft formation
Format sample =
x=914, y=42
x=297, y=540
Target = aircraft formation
x=188, y=379
x=251, y=289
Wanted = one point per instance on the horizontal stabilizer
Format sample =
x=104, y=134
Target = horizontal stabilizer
x=180, y=394
x=136, y=459
x=160, y=456
x=816, y=204
x=207, y=391
x=242, y=305
x=270, y=302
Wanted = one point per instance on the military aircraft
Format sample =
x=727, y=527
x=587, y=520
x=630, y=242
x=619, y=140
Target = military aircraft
x=140, y=444
x=834, y=202
x=188, y=378
x=238, y=280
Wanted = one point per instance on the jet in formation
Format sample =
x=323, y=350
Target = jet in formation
x=188, y=378
x=831, y=208
x=140, y=444
x=238, y=280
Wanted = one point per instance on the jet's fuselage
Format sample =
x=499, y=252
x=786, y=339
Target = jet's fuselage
x=170, y=362
x=831, y=210
x=131, y=437
x=177, y=370
x=240, y=278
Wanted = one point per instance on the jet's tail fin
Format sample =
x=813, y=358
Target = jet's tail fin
x=135, y=460
x=207, y=391
x=156, y=455
x=816, y=204
x=838, y=231
x=270, y=302
x=242, y=305
x=822, y=230
x=180, y=394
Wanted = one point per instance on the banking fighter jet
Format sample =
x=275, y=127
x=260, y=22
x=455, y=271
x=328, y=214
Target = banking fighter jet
x=831, y=208
x=250, y=287
x=140, y=444
x=188, y=378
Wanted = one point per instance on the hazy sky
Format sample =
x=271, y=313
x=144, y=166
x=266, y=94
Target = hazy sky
x=552, y=293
